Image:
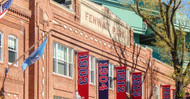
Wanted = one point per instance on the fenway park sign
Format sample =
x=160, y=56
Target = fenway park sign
x=103, y=21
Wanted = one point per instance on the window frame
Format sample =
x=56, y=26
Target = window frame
x=157, y=92
x=17, y=44
x=63, y=7
x=90, y=57
x=110, y=64
x=127, y=79
x=57, y=59
x=2, y=47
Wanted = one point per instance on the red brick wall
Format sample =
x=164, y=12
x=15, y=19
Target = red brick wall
x=29, y=85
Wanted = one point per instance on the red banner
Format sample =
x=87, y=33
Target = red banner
x=83, y=68
x=174, y=93
x=136, y=85
x=121, y=82
x=166, y=91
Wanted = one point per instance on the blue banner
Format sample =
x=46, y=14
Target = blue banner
x=103, y=72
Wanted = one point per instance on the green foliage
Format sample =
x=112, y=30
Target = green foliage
x=170, y=34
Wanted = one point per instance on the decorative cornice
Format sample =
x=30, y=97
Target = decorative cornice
x=20, y=11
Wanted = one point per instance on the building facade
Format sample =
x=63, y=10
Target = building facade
x=72, y=26
x=143, y=35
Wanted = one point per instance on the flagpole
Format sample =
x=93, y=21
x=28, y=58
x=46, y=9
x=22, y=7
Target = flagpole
x=9, y=66
x=47, y=34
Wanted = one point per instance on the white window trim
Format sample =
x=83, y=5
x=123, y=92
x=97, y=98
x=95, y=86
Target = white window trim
x=64, y=8
x=111, y=77
x=16, y=64
x=62, y=75
x=2, y=47
x=67, y=61
x=158, y=91
x=91, y=70
x=153, y=91
x=127, y=74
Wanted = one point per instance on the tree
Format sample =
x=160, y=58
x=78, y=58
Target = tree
x=170, y=35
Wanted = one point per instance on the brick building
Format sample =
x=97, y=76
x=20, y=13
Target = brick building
x=76, y=25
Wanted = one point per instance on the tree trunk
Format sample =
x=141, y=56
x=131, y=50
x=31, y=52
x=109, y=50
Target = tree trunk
x=179, y=90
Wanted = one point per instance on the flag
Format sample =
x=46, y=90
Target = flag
x=103, y=72
x=174, y=93
x=121, y=82
x=83, y=72
x=136, y=85
x=34, y=56
x=165, y=91
x=5, y=8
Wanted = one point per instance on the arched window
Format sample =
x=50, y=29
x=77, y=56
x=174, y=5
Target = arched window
x=12, y=48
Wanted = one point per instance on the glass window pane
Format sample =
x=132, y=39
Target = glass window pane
x=110, y=69
x=63, y=64
x=92, y=64
x=70, y=55
x=70, y=70
x=62, y=68
x=65, y=53
x=127, y=81
x=110, y=82
x=12, y=56
x=65, y=68
x=12, y=43
x=54, y=65
x=65, y=3
x=54, y=49
x=128, y=86
x=60, y=52
x=92, y=76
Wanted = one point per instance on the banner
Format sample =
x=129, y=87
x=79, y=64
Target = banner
x=103, y=72
x=174, y=93
x=83, y=67
x=121, y=82
x=166, y=91
x=136, y=85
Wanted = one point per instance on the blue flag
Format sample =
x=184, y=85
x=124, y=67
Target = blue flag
x=34, y=56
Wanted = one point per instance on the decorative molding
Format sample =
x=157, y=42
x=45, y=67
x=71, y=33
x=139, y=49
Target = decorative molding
x=10, y=24
x=20, y=11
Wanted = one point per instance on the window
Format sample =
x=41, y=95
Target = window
x=1, y=46
x=62, y=60
x=13, y=48
x=111, y=76
x=127, y=81
x=157, y=92
x=65, y=3
x=91, y=70
x=153, y=91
